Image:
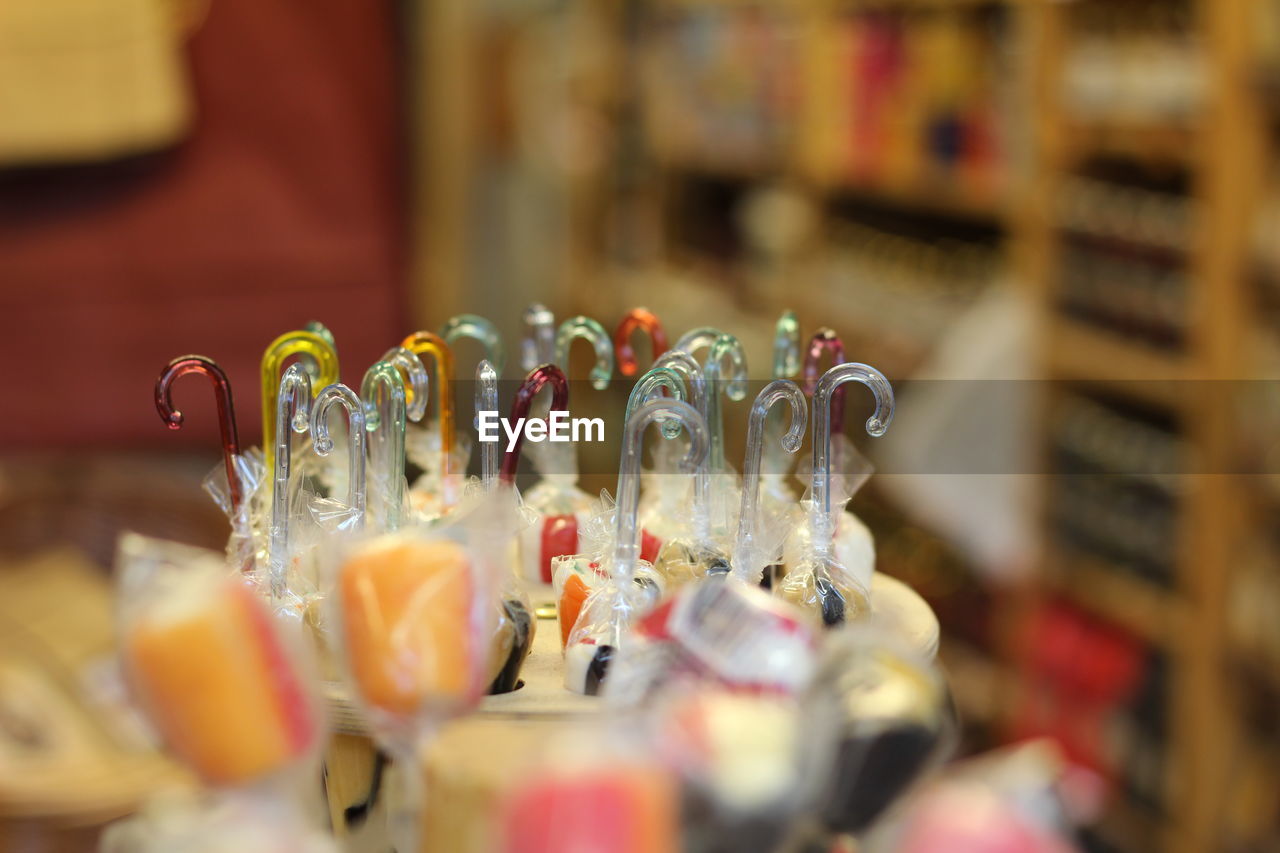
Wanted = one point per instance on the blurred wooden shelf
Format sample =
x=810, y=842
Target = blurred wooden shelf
x=1141, y=607
x=1091, y=354
x=1152, y=142
x=943, y=197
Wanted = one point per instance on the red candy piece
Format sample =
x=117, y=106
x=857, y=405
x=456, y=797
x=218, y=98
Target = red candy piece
x=559, y=539
x=622, y=811
x=650, y=545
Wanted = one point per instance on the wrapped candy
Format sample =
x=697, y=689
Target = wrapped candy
x=819, y=582
x=562, y=507
x=515, y=627
x=666, y=488
x=243, y=473
x=755, y=546
x=851, y=539
x=716, y=630
x=383, y=393
x=414, y=614
x=610, y=609
x=895, y=720
x=702, y=549
x=292, y=415
x=599, y=789
x=216, y=675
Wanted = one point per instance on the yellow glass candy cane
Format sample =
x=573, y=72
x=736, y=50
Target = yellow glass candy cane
x=429, y=343
x=324, y=358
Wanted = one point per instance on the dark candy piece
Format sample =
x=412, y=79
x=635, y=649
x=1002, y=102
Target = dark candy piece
x=598, y=669
x=522, y=621
x=872, y=771
x=709, y=828
x=833, y=605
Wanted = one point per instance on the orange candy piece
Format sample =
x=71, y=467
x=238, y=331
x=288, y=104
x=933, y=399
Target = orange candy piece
x=218, y=685
x=575, y=593
x=407, y=611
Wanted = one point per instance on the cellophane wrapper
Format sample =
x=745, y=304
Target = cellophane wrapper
x=247, y=544
x=229, y=688
x=414, y=614
x=832, y=585
x=435, y=492
x=563, y=510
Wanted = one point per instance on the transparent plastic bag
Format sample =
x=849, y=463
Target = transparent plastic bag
x=228, y=687
x=608, y=610
x=414, y=613
x=247, y=544
x=562, y=508
x=717, y=630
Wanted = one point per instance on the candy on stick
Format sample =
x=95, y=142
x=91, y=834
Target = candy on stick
x=515, y=629
x=317, y=353
x=642, y=319
x=720, y=347
x=244, y=472
x=776, y=496
x=211, y=668
x=292, y=412
x=820, y=583
x=610, y=609
x=686, y=558
x=661, y=510
x=539, y=343
x=382, y=391
x=414, y=615
x=753, y=549
x=658, y=499
x=350, y=513
x=477, y=328
x=561, y=508
x=445, y=476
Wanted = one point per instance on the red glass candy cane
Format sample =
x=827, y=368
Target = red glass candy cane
x=546, y=374
x=173, y=418
x=637, y=318
x=825, y=340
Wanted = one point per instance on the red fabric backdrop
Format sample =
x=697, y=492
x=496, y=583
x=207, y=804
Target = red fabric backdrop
x=284, y=205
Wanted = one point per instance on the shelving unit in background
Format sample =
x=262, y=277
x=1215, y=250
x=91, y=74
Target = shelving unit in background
x=1156, y=374
x=1196, y=308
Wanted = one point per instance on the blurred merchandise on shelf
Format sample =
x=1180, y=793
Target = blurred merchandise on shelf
x=1114, y=492
x=1133, y=63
